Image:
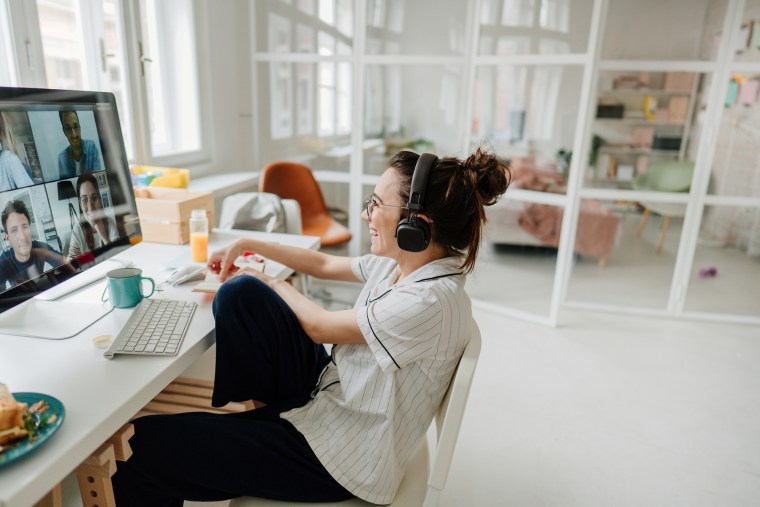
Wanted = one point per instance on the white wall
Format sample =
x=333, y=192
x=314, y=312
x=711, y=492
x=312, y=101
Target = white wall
x=644, y=29
x=226, y=60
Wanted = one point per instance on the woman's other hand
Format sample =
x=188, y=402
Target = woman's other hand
x=221, y=261
x=257, y=274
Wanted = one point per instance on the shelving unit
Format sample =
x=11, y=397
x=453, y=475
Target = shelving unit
x=655, y=110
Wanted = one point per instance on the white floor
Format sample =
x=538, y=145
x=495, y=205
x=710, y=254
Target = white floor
x=607, y=410
x=611, y=410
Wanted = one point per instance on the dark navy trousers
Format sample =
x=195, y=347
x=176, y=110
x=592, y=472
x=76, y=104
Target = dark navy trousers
x=262, y=354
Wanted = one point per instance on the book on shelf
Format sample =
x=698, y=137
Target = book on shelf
x=606, y=165
x=642, y=164
x=642, y=137
x=678, y=107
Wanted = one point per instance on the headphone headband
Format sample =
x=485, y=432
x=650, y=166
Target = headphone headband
x=419, y=181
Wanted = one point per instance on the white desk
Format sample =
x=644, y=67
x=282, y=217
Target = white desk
x=100, y=395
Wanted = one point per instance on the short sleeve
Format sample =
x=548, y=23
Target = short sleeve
x=364, y=266
x=402, y=327
x=94, y=157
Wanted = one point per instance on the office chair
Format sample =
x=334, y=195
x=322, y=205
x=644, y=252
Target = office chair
x=421, y=485
x=295, y=181
x=673, y=176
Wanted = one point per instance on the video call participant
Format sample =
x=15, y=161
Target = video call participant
x=95, y=228
x=81, y=156
x=26, y=258
x=13, y=174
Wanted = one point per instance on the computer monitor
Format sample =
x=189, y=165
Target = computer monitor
x=66, y=198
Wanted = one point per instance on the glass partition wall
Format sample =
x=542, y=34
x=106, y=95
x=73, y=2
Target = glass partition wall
x=658, y=212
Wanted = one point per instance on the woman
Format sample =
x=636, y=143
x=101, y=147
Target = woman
x=95, y=228
x=13, y=174
x=330, y=427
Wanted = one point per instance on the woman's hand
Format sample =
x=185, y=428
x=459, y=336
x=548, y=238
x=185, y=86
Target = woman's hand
x=221, y=261
x=258, y=274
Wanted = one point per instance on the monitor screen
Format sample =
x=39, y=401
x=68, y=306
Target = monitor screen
x=66, y=198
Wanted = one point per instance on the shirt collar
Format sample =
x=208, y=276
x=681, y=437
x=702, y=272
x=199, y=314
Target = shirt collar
x=439, y=267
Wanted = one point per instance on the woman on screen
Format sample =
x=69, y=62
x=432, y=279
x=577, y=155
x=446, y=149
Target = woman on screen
x=13, y=174
x=95, y=228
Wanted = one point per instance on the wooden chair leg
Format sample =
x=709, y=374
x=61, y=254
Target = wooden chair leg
x=94, y=474
x=665, y=223
x=53, y=499
x=643, y=222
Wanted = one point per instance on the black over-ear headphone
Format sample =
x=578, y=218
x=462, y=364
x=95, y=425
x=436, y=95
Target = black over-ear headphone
x=412, y=232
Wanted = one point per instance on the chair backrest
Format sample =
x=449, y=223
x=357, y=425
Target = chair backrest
x=672, y=176
x=294, y=181
x=449, y=416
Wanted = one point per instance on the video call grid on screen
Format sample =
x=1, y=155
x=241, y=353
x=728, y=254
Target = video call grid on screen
x=65, y=190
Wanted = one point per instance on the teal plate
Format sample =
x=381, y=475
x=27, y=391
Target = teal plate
x=24, y=446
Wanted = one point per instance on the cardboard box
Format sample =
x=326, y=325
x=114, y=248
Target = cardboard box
x=679, y=81
x=165, y=213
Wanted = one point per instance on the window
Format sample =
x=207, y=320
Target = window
x=82, y=44
x=93, y=58
x=7, y=67
x=170, y=63
x=62, y=43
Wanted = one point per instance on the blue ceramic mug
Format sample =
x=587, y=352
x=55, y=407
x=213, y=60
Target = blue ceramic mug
x=125, y=286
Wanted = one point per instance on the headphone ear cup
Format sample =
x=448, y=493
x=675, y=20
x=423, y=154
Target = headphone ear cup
x=413, y=234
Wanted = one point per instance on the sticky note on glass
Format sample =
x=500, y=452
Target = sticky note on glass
x=748, y=92
x=731, y=93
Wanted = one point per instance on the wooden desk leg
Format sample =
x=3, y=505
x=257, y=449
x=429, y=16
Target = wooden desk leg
x=52, y=499
x=94, y=474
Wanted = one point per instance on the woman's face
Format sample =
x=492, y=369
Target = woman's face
x=89, y=200
x=384, y=209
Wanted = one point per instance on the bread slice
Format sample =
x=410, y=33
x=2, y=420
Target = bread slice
x=11, y=413
x=12, y=434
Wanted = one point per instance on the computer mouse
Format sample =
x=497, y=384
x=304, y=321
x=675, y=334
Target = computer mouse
x=186, y=274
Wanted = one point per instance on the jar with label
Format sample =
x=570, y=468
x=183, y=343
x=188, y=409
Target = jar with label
x=199, y=235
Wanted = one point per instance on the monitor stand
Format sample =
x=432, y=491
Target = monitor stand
x=54, y=320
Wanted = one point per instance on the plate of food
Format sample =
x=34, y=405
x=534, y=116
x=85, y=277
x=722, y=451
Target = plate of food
x=27, y=420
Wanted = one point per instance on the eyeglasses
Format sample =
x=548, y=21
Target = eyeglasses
x=371, y=202
x=88, y=199
x=71, y=128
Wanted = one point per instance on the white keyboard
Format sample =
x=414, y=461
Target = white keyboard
x=155, y=328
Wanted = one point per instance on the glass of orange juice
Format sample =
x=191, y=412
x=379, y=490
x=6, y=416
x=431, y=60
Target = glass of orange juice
x=199, y=235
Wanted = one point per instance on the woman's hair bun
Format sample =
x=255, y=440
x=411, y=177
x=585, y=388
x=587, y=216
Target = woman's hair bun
x=489, y=175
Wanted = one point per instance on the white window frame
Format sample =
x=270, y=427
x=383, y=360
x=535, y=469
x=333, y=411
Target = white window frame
x=29, y=70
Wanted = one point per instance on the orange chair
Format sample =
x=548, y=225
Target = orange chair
x=295, y=181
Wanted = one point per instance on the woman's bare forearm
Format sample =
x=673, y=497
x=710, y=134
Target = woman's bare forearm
x=303, y=260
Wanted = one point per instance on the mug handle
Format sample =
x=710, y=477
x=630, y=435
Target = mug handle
x=103, y=297
x=152, y=285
